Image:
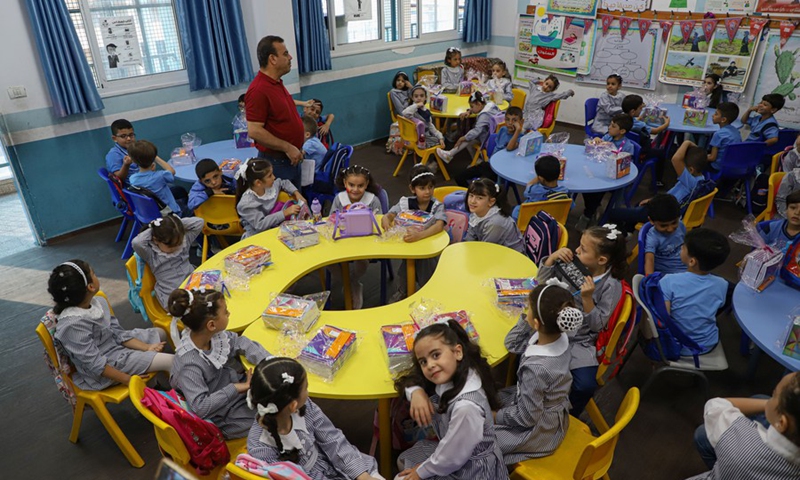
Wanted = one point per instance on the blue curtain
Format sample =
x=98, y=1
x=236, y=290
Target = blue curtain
x=66, y=71
x=214, y=43
x=477, y=20
x=313, y=49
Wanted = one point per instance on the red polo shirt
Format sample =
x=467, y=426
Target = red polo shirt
x=268, y=102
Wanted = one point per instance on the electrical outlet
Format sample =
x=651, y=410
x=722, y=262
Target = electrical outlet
x=17, y=92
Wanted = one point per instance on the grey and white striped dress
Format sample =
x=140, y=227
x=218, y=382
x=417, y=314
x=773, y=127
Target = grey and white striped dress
x=534, y=417
x=495, y=227
x=255, y=211
x=325, y=453
x=170, y=269
x=93, y=338
x=467, y=448
x=206, y=378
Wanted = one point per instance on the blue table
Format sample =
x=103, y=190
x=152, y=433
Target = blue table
x=217, y=151
x=764, y=317
x=675, y=114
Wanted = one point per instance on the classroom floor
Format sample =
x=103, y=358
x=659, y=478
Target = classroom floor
x=657, y=445
x=16, y=234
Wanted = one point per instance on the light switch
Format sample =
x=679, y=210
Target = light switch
x=17, y=92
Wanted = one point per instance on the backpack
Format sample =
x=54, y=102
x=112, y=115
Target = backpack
x=604, y=336
x=135, y=289
x=541, y=236
x=320, y=166
x=670, y=337
x=790, y=272
x=324, y=180
x=275, y=471
x=759, y=193
x=703, y=188
x=456, y=201
x=457, y=225
x=203, y=440
x=64, y=367
x=405, y=431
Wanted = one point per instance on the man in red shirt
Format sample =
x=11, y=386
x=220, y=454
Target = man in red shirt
x=272, y=118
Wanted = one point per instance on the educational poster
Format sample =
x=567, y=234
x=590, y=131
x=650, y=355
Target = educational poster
x=587, y=49
x=357, y=10
x=548, y=30
x=688, y=61
x=566, y=59
x=730, y=6
x=120, y=42
x=791, y=7
x=630, y=57
x=780, y=73
x=573, y=8
x=674, y=5
x=626, y=5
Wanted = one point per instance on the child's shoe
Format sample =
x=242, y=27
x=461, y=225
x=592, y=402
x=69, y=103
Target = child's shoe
x=444, y=155
x=433, y=166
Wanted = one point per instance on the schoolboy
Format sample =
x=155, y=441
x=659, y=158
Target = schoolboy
x=507, y=138
x=324, y=122
x=118, y=161
x=694, y=297
x=210, y=181
x=633, y=106
x=764, y=127
x=312, y=147
x=662, y=245
x=145, y=155
x=783, y=230
x=726, y=113
x=791, y=181
x=544, y=185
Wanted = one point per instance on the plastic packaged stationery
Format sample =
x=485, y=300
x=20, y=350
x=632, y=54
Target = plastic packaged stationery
x=652, y=113
x=248, y=260
x=462, y=318
x=423, y=311
x=327, y=351
x=555, y=145
x=398, y=342
x=513, y=291
x=208, y=279
x=297, y=234
x=290, y=309
x=413, y=219
x=760, y=267
x=598, y=150
x=790, y=341
x=229, y=166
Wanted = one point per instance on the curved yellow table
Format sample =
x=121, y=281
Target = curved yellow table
x=290, y=266
x=456, y=105
x=460, y=282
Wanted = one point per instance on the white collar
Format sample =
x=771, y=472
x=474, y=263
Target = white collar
x=475, y=220
x=472, y=384
x=161, y=253
x=780, y=444
x=366, y=199
x=269, y=193
x=600, y=277
x=94, y=312
x=291, y=440
x=550, y=350
x=217, y=356
x=488, y=107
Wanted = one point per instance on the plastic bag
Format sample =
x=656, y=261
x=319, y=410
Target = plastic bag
x=535, y=119
x=301, y=313
x=556, y=143
x=398, y=345
x=243, y=264
x=424, y=311
x=475, y=74
x=598, y=150
x=428, y=80
x=760, y=267
x=748, y=234
x=327, y=351
x=789, y=342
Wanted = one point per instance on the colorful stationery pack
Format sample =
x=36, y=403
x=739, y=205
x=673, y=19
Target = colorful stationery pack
x=413, y=218
x=327, y=351
x=398, y=341
x=250, y=260
x=619, y=165
x=696, y=117
x=530, y=144
x=438, y=103
x=462, y=318
x=513, y=291
x=297, y=234
x=651, y=115
x=229, y=166
x=208, y=279
x=284, y=309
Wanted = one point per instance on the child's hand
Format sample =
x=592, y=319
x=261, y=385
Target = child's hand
x=408, y=84
x=155, y=347
x=409, y=474
x=571, y=92
x=645, y=201
x=420, y=104
x=587, y=289
x=421, y=410
x=464, y=115
x=291, y=210
x=411, y=237
x=309, y=103
x=665, y=119
x=242, y=387
x=127, y=160
x=441, y=142
x=324, y=129
x=459, y=142
x=562, y=254
x=301, y=200
x=386, y=223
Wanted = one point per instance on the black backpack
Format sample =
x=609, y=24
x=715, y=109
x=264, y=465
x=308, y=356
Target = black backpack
x=541, y=236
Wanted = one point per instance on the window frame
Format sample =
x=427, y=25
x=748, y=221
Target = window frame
x=140, y=83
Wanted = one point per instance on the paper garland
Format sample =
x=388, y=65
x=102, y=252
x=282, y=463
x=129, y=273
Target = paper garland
x=666, y=28
x=756, y=25
x=624, y=24
x=644, y=27
x=605, y=21
x=732, y=26
x=687, y=27
x=787, y=28
x=709, y=26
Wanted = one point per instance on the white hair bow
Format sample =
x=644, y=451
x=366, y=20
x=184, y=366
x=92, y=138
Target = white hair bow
x=270, y=409
x=613, y=232
x=241, y=171
x=287, y=378
x=558, y=283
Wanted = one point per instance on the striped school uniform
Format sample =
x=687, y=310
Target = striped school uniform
x=93, y=338
x=325, y=453
x=206, y=378
x=534, y=416
x=467, y=449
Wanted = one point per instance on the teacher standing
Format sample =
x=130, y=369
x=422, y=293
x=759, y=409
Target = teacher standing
x=272, y=118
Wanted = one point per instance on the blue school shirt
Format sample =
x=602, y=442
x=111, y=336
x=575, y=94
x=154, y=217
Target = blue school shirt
x=503, y=137
x=721, y=139
x=775, y=231
x=624, y=144
x=539, y=193
x=315, y=150
x=762, y=130
x=114, y=161
x=641, y=127
x=158, y=182
x=694, y=301
x=685, y=185
x=666, y=249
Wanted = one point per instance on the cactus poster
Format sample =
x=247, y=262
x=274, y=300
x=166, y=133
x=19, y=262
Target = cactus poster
x=780, y=73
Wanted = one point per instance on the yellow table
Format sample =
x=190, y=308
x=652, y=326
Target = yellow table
x=456, y=105
x=459, y=282
x=290, y=266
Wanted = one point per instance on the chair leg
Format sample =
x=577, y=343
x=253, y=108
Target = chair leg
x=222, y=242
x=205, y=248
x=400, y=163
x=744, y=345
x=747, y=196
x=76, y=420
x=122, y=229
x=129, y=246
x=119, y=438
x=384, y=272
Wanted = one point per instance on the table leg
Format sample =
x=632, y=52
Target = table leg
x=348, y=297
x=411, y=276
x=385, y=437
x=513, y=187
x=615, y=195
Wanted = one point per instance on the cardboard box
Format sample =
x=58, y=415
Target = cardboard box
x=438, y=103
x=619, y=166
x=696, y=117
x=689, y=100
x=530, y=144
x=652, y=115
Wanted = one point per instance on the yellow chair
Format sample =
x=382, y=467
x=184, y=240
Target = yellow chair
x=776, y=160
x=519, y=98
x=547, y=131
x=408, y=132
x=563, y=236
x=237, y=473
x=440, y=192
x=774, y=184
x=582, y=456
x=608, y=361
x=219, y=210
x=96, y=400
x=391, y=107
x=559, y=209
x=695, y=214
x=158, y=316
x=423, y=73
x=169, y=442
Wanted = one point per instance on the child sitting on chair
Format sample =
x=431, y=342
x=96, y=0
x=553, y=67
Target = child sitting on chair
x=791, y=181
x=544, y=185
x=419, y=111
x=541, y=94
x=783, y=230
x=118, y=162
x=145, y=155
x=662, y=246
x=633, y=106
x=507, y=139
x=727, y=134
x=313, y=147
x=485, y=110
x=764, y=127
x=210, y=181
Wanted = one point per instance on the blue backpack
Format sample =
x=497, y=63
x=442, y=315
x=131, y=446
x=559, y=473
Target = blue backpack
x=671, y=339
x=541, y=236
x=456, y=201
x=135, y=289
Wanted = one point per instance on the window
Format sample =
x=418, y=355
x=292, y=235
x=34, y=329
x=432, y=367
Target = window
x=400, y=21
x=129, y=56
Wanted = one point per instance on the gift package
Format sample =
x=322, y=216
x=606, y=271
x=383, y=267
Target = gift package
x=466, y=88
x=248, y=260
x=514, y=291
x=208, y=279
x=619, y=165
x=413, y=219
x=762, y=265
x=652, y=115
x=296, y=312
x=696, y=117
x=398, y=341
x=438, y=103
x=356, y=220
x=598, y=149
x=530, y=144
x=229, y=166
x=691, y=99
x=297, y=234
x=242, y=140
x=327, y=351
x=462, y=318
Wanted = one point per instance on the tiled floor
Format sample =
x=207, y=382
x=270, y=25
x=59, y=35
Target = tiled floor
x=15, y=236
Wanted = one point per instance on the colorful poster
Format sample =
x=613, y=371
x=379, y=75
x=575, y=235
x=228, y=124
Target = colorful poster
x=357, y=10
x=780, y=73
x=730, y=6
x=566, y=59
x=631, y=57
x=548, y=30
x=626, y=5
x=573, y=8
x=120, y=42
x=674, y=5
x=779, y=6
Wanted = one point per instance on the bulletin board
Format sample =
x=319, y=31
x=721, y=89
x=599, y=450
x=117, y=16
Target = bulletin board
x=776, y=77
x=572, y=55
x=625, y=5
x=688, y=62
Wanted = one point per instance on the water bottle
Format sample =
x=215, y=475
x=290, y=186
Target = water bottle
x=316, y=211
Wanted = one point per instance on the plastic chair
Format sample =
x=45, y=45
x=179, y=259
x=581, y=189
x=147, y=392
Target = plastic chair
x=421, y=73
x=169, y=442
x=695, y=214
x=486, y=148
x=563, y=236
x=772, y=209
x=408, y=132
x=581, y=455
x=324, y=187
x=391, y=107
x=589, y=112
x=546, y=131
x=96, y=400
x=609, y=360
x=712, y=361
x=559, y=209
x=387, y=272
x=219, y=210
x=741, y=160
x=518, y=100
x=123, y=204
x=776, y=161
x=786, y=137
x=440, y=192
x=457, y=224
x=158, y=316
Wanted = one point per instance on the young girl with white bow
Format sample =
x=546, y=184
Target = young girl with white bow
x=489, y=219
x=257, y=192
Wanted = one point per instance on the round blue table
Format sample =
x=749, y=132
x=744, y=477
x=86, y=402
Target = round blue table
x=217, y=151
x=764, y=317
x=675, y=114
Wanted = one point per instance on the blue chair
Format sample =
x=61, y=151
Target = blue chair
x=145, y=210
x=641, y=240
x=589, y=112
x=324, y=187
x=741, y=160
x=491, y=144
x=786, y=137
x=643, y=166
x=123, y=204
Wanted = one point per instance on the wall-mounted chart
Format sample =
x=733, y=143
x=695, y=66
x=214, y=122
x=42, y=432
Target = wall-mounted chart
x=780, y=73
x=572, y=56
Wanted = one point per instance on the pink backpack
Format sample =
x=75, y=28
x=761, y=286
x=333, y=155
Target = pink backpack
x=274, y=471
x=457, y=224
x=203, y=440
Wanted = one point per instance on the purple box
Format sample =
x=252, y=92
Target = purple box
x=327, y=351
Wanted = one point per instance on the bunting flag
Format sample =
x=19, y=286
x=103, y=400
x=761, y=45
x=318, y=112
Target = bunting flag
x=644, y=27
x=709, y=25
x=605, y=21
x=666, y=28
x=587, y=25
x=732, y=26
x=687, y=27
x=756, y=25
x=624, y=24
x=787, y=28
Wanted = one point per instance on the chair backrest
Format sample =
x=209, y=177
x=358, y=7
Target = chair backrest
x=695, y=214
x=646, y=226
x=119, y=197
x=647, y=326
x=440, y=192
x=220, y=210
x=383, y=196
x=391, y=107
x=786, y=137
x=408, y=130
x=421, y=73
x=518, y=99
x=608, y=360
x=741, y=159
x=772, y=208
x=589, y=112
x=491, y=144
x=563, y=236
x=168, y=439
x=776, y=161
x=550, y=114
x=559, y=209
x=145, y=209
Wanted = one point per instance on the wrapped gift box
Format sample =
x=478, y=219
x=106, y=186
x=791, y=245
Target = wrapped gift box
x=413, y=219
x=438, y=103
x=297, y=234
x=696, y=117
x=619, y=165
x=530, y=144
x=328, y=351
x=209, y=279
x=398, y=341
x=690, y=100
x=652, y=115
x=250, y=259
x=760, y=267
x=241, y=139
x=284, y=309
